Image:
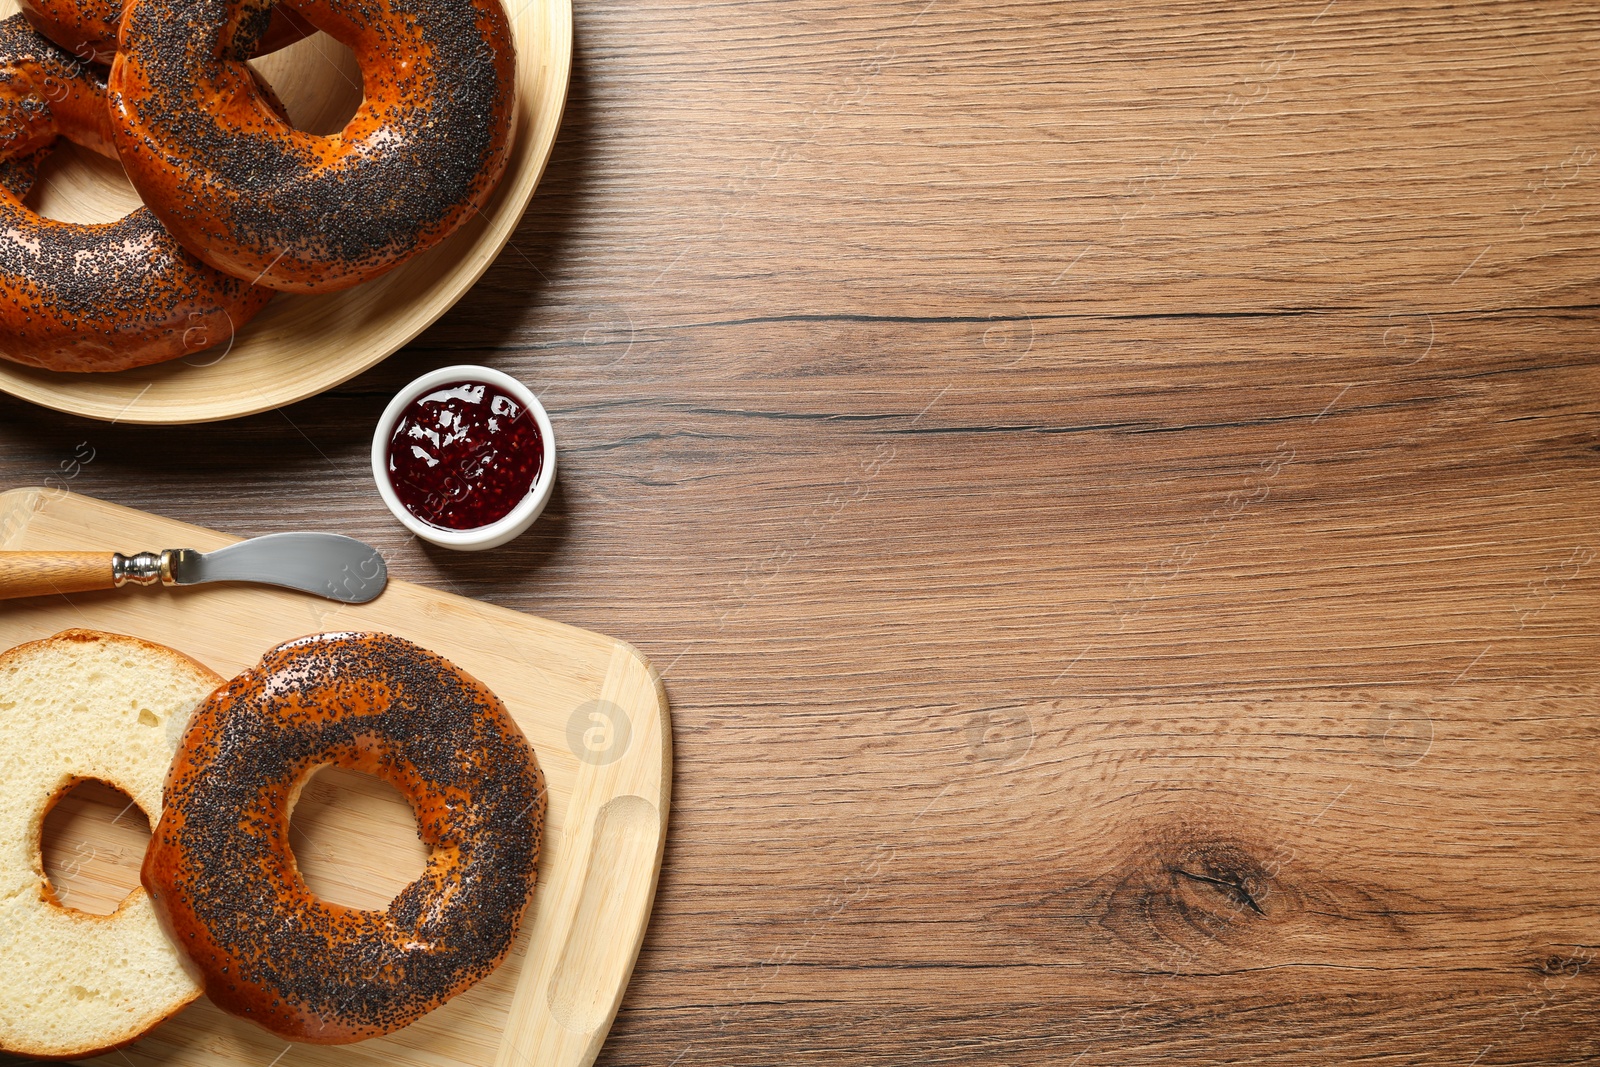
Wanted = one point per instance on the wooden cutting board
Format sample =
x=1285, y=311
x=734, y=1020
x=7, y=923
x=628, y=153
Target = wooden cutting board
x=593, y=708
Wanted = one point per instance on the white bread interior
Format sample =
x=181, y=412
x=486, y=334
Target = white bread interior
x=84, y=704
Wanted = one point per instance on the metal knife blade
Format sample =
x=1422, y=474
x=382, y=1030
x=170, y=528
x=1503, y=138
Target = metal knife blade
x=331, y=565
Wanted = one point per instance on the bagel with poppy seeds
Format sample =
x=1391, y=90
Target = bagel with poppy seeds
x=224, y=880
x=46, y=93
x=258, y=199
x=88, y=28
x=90, y=296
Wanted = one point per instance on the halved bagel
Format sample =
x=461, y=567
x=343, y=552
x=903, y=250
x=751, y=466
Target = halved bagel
x=84, y=705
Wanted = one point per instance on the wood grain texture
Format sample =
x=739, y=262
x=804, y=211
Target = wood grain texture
x=26, y=574
x=1082, y=469
x=92, y=845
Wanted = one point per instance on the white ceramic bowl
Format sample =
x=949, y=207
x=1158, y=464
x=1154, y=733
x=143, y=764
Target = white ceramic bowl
x=496, y=533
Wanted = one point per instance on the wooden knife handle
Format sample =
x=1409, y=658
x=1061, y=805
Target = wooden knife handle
x=47, y=573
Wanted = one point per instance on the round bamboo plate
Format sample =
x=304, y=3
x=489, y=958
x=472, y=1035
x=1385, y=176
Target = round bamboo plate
x=302, y=345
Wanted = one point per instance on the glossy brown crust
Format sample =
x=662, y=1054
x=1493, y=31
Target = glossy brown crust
x=256, y=198
x=88, y=28
x=91, y=297
x=50, y=93
x=223, y=878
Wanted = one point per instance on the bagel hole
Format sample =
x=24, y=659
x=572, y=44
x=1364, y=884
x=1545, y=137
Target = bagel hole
x=319, y=82
x=93, y=843
x=77, y=184
x=355, y=839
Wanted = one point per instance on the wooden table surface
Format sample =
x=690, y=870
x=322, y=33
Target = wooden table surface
x=1112, y=490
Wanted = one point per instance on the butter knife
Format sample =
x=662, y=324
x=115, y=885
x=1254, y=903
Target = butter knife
x=329, y=565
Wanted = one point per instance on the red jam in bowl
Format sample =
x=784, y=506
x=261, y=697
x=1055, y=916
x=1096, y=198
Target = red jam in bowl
x=464, y=455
